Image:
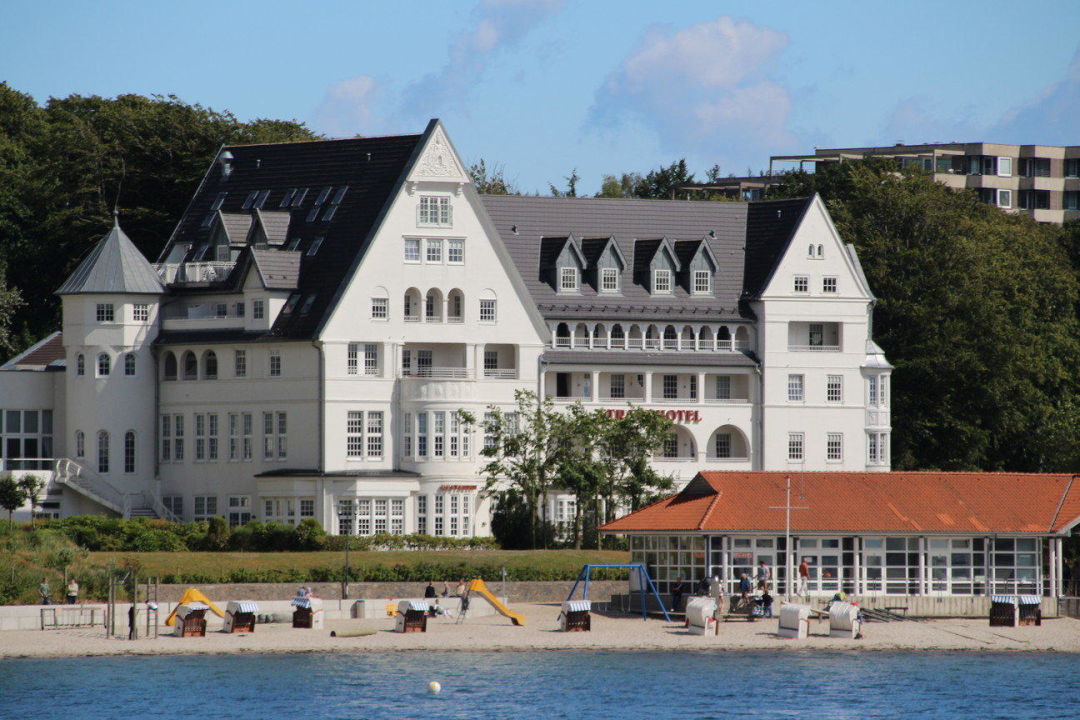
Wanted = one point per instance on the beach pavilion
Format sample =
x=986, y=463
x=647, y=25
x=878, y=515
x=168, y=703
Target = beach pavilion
x=867, y=534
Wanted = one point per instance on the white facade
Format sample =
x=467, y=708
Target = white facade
x=357, y=427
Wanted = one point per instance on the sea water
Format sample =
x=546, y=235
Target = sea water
x=542, y=685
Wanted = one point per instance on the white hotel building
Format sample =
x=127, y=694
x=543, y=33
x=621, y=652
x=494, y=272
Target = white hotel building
x=323, y=309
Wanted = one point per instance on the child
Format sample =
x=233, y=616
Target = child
x=766, y=603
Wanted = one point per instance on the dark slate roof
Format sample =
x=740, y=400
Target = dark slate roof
x=646, y=359
x=371, y=168
x=280, y=269
x=770, y=226
x=114, y=266
x=626, y=220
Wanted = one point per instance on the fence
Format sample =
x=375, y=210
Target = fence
x=61, y=618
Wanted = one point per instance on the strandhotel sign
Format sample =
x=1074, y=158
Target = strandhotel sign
x=679, y=416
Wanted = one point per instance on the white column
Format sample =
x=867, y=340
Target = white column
x=924, y=586
x=470, y=360
x=857, y=545
x=594, y=387
x=1050, y=576
x=648, y=387
x=701, y=388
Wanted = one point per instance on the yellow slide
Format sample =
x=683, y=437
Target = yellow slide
x=193, y=595
x=477, y=586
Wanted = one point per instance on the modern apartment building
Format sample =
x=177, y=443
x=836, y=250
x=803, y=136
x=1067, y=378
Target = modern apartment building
x=1042, y=181
x=323, y=310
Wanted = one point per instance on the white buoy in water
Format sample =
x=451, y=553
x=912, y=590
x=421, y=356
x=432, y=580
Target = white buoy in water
x=434, y=687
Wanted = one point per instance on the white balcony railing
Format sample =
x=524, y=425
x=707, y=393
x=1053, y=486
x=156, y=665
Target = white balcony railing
x=726, y=401
x=571, y=398
x=720, y=346
x=193, y=272
x=813, y=348
x=454, y=373
x=621, y=399
x=501, y=373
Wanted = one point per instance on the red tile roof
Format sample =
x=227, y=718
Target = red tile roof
x=961, y=503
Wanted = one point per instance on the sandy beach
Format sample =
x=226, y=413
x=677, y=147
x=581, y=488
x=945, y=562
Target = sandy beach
x=540, y=633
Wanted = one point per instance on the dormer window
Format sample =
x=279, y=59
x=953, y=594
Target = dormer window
x=568, y=279
x=661, y=282
x=434, y=211
x=609, y=280
x=702, y=282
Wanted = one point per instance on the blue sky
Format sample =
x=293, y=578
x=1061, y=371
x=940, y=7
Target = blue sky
x=541, y=87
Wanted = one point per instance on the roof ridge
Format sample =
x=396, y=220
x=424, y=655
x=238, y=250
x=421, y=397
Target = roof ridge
x=322, y=140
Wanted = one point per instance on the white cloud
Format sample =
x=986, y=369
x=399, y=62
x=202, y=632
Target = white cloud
x=703, y=88
x=499, y=24
x=349, y=108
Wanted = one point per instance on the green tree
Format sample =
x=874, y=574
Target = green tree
x=31, y=486
x=571, y=185
x=490, y=181
x=64, y=166
x=977, y=311
x=622, y=186
x=663, y=182
x=527, y=448
x=12, y=496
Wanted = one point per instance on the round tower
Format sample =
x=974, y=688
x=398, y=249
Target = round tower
x=110, y=320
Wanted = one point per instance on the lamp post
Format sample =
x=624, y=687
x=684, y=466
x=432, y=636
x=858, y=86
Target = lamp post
x=345, y=579
x=787, y=507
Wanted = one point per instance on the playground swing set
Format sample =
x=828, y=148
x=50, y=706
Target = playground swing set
x=645, y=586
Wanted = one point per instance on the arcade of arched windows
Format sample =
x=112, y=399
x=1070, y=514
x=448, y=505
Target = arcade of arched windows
x=651, y=336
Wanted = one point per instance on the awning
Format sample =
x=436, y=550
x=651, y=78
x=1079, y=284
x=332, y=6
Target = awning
x=577, y=606
x=242, y=606
x=421, y=605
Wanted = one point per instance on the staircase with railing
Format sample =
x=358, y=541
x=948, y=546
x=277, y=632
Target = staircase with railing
x=78, y=477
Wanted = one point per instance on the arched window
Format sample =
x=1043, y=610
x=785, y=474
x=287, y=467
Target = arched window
x=728, y=443
x=652, y=338
x=455, y=306
x=618, y=339
x=742, y=339
x=104, y=365
x=689, y=342
x=600, y=336
x=80, y=365
x=412, y=305
x=562, y=335
x=581, y=336
x=723, y=339
x=129, y=364
x=671, y=338
x=129, y=451
x=210, y=365
x=810, y=250
x=706, y=340
x=102, y=452
x=433, y=306
x=191, y=366
x=80, y=444
x=170, y=366
x=821, y=251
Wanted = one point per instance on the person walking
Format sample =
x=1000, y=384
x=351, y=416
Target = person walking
x=677, y=591
x=43, y=591
x=803, y=588
x=72, y=592
x=764, y=574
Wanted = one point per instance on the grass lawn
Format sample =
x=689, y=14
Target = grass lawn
x=564, y=563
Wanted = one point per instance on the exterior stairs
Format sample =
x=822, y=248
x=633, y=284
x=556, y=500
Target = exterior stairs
x=82, y=480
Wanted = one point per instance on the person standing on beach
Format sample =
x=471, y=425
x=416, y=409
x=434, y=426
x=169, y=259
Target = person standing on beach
x=43, y=591
x=72, y=592
x=131, y=622
x=677, y=591
x=804, y=578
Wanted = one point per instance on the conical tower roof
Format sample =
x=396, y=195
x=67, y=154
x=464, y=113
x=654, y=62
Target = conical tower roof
x=115, y=265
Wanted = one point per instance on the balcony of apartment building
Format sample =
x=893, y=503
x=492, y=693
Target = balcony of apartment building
x=650, y=337
x=208, y=315
x=647, y=388
x=501, y=361
x=815, y=337
x=194, y=273
x=442, y=361
x=434, y=306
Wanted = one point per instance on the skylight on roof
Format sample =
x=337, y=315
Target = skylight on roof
x=315, y=245
x=328, y=214
x=308, y=302
x=249, y=200
x=298, y=198
x=285, y=201
x=261, y=200
x=323, y=194
x=214, y=207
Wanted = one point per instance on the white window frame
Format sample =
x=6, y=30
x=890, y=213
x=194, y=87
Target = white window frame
x=488, y=310
x=275, y=366
x=434, y=211
x=105, y=313
x=834, y=388
x=796, y=387
x=1004, y=166
x=609, y=280
x=796, y=451
x=801, y=285
x=455, y=251
x=352, y=359
x=834, y=447
x=433, y=251
x=411, y=250
x=1004, y=198
x=702, y=288
x=371, y=359
x=258, y=309
x=240, y=363
x=140, y=312
x=829, y=284
x=354, y=434
x=567, y=273
x=661, y=282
